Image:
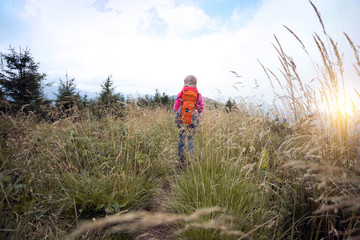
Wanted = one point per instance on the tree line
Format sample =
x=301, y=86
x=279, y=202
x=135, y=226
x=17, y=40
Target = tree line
x=22, y=92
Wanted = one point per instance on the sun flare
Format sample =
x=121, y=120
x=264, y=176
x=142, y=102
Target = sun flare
x=343, y=107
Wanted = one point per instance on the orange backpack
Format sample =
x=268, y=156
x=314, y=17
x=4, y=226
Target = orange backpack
x=186, y=112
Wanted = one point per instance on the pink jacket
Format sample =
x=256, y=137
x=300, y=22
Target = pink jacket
x=200, y=104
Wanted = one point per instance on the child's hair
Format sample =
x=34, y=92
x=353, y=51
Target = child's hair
x=190, y=81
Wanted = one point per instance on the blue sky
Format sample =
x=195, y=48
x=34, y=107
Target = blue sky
x=12, y=25
x=149, y=44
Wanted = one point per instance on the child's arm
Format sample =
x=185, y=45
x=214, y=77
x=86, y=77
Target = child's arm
x=177, y=102
x=200, y=105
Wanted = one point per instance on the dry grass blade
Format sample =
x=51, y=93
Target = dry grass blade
x=270, y=222
x=268, y=76
x=297, y=38
x=319, y=16
x=320, y=171
x=342, y=203
x=337, y=54
x=357, y=92
x=353, y=47
x=325, y=57
x=356, y=53
x=137, y=221
x=277, y=79
x=212, y=224
x=236, y=74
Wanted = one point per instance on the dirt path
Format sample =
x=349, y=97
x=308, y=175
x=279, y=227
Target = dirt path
x=161, y=232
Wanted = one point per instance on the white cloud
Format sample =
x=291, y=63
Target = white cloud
x=154, y=44
x=184, y=19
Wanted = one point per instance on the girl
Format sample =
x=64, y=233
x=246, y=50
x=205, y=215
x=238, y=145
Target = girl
x=187, y=129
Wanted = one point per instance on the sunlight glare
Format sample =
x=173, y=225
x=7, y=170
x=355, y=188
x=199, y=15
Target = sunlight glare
x=344, y=107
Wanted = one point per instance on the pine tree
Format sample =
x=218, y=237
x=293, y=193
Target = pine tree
x=67, y=97
x=165, y=100
x=107, y=96
x=157, y=97
x=3, y=101
x=109, y=101
x=229, y=105
x=21, y=83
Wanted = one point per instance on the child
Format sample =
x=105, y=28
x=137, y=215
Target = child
x=187, y=128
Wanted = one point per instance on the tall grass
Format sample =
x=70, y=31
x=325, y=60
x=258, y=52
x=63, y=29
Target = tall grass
x=323, y=144
x=228, y=171
x=55, y=175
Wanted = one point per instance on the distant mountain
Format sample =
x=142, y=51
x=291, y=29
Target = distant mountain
x=50, y=91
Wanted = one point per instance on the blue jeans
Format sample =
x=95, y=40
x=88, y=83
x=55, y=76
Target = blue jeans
x=182, y=135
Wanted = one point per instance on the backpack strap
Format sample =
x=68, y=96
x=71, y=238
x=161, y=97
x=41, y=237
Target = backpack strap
x=184, y=90
x=197, y=100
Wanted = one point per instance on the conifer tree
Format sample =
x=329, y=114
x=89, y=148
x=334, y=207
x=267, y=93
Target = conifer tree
x=165, y=100
x=67, y=97
x=2, y=101
x=157, y=97
x=21, y=83
x=108, y=96
x=109, y=101
x=229, y=105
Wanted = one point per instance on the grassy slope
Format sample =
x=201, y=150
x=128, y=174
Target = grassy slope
x=55, y=175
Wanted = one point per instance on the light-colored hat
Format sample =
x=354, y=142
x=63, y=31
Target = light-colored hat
x=190, y=81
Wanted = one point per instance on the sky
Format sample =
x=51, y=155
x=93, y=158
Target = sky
x=154, y=44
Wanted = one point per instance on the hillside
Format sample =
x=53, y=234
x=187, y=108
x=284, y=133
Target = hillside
x=213, y=104
x=263, y=176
